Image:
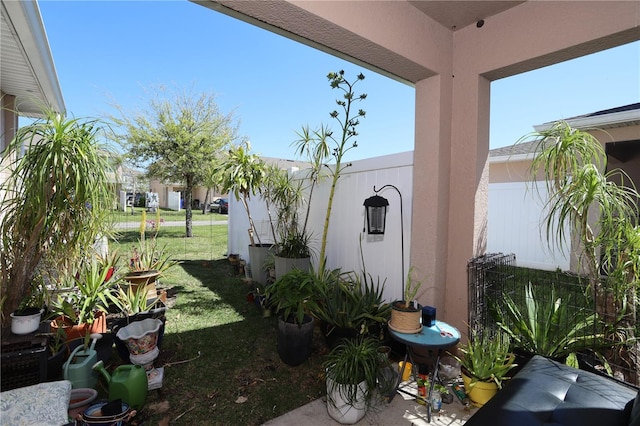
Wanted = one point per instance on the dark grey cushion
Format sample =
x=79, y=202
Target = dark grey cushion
x=546, y=393
x=634, y=416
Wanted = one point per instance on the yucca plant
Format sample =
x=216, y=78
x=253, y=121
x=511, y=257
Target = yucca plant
x=133, y=301
x=94, y=291
x=547, y=326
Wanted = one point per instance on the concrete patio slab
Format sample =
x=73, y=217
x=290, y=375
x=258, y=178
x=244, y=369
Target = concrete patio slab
x=403, y=410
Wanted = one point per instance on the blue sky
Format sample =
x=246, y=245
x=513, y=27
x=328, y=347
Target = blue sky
x=110, y=51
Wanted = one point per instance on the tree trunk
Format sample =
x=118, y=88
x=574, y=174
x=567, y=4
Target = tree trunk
x=188, y=196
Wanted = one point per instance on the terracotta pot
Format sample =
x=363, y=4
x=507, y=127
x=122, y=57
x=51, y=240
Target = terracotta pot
x=78, y=331
x=143, y=278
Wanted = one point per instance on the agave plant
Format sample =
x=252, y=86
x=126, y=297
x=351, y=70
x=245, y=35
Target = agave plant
x=547, y=326
x=486, y=358
x=346, y=302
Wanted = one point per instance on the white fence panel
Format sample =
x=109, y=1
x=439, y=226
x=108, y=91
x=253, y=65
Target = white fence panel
x=515, y=226
x=382, y=256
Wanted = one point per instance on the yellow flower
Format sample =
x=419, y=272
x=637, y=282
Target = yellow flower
x=143, y=223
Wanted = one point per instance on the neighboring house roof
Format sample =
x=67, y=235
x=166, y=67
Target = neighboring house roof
x=26, y=65
x=627, y=115
x=524, y=148
x=286, y=164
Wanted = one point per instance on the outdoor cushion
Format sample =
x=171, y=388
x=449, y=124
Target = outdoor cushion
x=546, y=392
x=44, y=404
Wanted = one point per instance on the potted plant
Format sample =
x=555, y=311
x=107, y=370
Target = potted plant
x=292, y=296
x=547, y=325
x=323, y=144
x=348, y=307
x=147, y=262
x=406, y=314
x=352, y=371
x=284, y=194
x=42, y=224
x=136, y=305
x=242, y=175
x=26, y=319
x=599, y=205
x=485, y=362
x=83, y=311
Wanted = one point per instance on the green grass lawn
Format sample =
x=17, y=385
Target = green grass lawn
x=166, y=214
x=238, y=378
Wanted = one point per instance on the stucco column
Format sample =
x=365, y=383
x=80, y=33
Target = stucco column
x=429, y=222
x=468, y=192
x=450, y=187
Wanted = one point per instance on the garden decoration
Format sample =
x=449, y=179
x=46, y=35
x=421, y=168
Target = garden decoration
x=141, y=338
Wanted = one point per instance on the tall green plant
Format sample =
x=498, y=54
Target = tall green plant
x=601, y=208
x=547, y=325
x=243, y=174
x=322, y=144
x=56, y=199
x=573, y=164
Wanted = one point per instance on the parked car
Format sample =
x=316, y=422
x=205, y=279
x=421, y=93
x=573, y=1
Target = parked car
x=221, y=205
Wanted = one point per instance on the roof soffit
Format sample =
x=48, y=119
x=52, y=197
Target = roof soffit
x=27, y=70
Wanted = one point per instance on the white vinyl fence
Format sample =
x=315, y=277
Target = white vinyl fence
x=513, y=223
x=515, y=226
x=382, y=255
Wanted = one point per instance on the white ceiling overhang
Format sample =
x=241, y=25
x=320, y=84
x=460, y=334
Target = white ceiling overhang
x=27, y=70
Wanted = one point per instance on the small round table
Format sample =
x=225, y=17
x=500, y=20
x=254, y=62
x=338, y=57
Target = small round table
x=438, y=337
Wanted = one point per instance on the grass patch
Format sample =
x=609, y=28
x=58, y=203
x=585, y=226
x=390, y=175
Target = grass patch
x=165, y=214
x=237, y=345
x=208, y=242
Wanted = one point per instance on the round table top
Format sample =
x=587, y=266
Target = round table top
x=439, y=336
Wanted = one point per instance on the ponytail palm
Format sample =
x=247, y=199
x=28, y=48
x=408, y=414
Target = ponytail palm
x=601, y=208
x=573, y=164
x=56, y=199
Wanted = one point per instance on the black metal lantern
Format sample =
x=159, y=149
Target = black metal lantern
x=376, y=217
x=376, y=214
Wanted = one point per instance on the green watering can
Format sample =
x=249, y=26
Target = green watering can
x=77, y=369
x=128, y=383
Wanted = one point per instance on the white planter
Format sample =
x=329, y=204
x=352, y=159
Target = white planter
x=339, y=409
x=25, y=324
